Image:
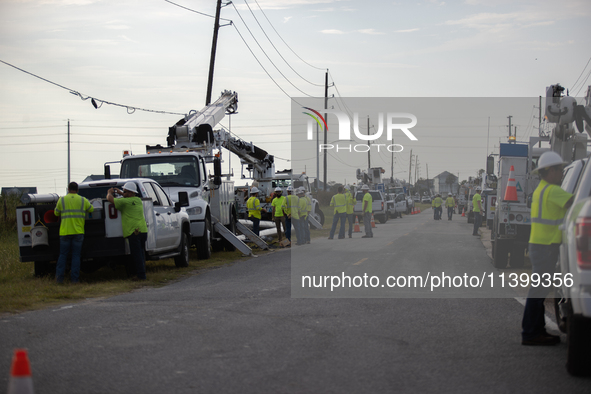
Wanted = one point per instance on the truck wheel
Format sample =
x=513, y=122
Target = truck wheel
x=203, y=243
x=319, y=215
x=578, y=340
x=517, y=255
x=382, y=219
x=500, y=253
x=182, y=260
x=43, y=268
x=232, y=227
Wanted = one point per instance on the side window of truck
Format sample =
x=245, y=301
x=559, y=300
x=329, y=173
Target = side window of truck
x=162, y=196
x=151, y=193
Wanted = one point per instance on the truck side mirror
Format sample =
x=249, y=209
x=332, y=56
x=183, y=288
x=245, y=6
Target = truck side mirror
x=182, y=202
x=107, y=171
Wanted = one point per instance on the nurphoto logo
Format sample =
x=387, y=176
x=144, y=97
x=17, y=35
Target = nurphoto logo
x=345, y=130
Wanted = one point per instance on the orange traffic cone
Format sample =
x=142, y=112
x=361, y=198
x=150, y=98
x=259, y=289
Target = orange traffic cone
x=511, y=190
x=373, y=223
x=356, y=228
x=20, y=374
x=418, y=210
x=464, y=212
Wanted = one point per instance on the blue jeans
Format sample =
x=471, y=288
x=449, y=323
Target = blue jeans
x=543, y=259
x=73, y=244
x=305, y=229
x=137, y=247
x=342, y=217
x=367, y=224
x=256, y=222
x=351, y=220
x=288, y=228
x=450, y=212
x=477, y=222
x=297, y=225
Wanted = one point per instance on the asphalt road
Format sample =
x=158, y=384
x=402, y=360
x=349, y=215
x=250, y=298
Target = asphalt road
x=237, y=329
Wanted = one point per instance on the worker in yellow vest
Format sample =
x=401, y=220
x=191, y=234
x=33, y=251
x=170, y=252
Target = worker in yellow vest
x=477, y=210
x=549, y=205
x=279, y=206
x=253, y=205
x=303, y=212
x=367, y=209
x=339, y=203
x=350, y=208
x=450, y=203
x=293, y=215
x=437, y=203
x=72, y=209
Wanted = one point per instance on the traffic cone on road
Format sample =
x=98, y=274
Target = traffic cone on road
x=464, y=212
x=418, y=210
x=511, y=190
x=356, y=229
x=20, y=381
x=373, y=222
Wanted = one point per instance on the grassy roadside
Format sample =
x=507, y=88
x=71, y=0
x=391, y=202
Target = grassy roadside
x=20, y=291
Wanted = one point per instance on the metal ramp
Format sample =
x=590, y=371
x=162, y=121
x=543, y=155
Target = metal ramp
x=252, y=236
x=230, y=237
x=314, y=222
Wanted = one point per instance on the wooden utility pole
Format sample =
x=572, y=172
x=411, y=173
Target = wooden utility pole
x=369, y=148
x=68, y=151
x=325, y=131
x=509, y=117
x=410, y=168
x=214, y=43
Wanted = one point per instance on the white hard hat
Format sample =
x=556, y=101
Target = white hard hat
x=300, y=191
x=449, y=194
x=130, y=186
x=289, y=188
x=364, y=187
x=478, y=188
x=254, y=190
x=549, y=159
x=278, y=189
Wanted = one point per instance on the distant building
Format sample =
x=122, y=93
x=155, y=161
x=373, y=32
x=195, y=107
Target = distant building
x=445, y=183
x=18, y=190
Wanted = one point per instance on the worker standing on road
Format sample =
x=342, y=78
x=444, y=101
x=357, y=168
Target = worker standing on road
x=134, y=225
x=549, y=205
x=279, y=206
x=437, y=202
x=477, y=209
x=72, y=209
x=339, y=203
x=253, y=205
x=303, y=212
x=350, y=208
x=309, y=209
x=450, y=204
x=293, y=215
x=367, y=209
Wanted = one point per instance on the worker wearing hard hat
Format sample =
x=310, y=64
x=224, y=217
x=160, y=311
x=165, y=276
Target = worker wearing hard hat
x=309, y=212
x=450, y=203
x=339, y=204
x=134, y=225
x=350, y=208
x=278, y=206
x=253, y=205
x=293, y=215
x=367, y=209
x=303, y=212
x=549, y=205
x=437, y=202
x=72, y=209
x=477, y=210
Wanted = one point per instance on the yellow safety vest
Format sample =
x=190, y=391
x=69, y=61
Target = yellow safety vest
x=72, y=209
x=339, y=203
x=475, y=200
x=279, y=203
x=253, y=205
x=309, y=205
x=350, y=202
x=367, y=197
x=293, y=206
x=449, y=202
x=437, y=202
x=303, y=207
x=547, y=213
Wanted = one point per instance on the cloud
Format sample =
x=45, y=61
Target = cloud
x=369, y=31
x=407, y=30
x=283, y=4
x=332, y=31
x=286, y=19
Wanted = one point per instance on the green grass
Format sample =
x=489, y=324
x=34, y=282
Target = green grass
x=21, y=291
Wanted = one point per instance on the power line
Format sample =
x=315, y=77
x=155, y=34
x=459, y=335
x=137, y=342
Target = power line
x=97, y=103
x=197, y=12
x=582, y=71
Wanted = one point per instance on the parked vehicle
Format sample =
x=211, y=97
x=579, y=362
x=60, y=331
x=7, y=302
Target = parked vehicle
x=573, y=298
x=378, y=205
x=168, y=227
x=426, y=200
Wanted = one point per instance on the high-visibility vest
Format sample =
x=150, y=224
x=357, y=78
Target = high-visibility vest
x=339, y=203
x=475, y=200
x=303, y=207
x=253, y=205
x=72, y=209
x=280, y=205
x=350, y=202
x=547, y=213
x=367, y=197
x=437, y=202
x=293, y=206
x=309, y=205
x=449, y=202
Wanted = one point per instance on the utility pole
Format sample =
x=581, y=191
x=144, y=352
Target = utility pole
x=416, y=168
x=68, y=151
x=509, y=117
x=427, y=165
x=540, y=121
x=410, y=168
x=214, y=43
x=369, y=148
x=325, y=131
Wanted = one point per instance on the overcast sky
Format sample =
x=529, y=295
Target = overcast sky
x=151, y=54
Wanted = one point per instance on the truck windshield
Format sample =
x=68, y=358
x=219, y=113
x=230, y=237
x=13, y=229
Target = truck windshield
x=166, y=170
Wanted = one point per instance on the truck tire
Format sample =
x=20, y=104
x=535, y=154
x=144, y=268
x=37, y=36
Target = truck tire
x=500, y=253
x=517, y=255
x=182, y=260
x=559, y=307
x=203, y=243
x=382, y=218
x=319, y=215
x=578, y=358
x=44, y=268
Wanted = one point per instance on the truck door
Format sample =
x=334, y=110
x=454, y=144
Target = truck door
x=161, y=220
x=173, y=224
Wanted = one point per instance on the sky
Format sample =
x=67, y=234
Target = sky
x=154, y=55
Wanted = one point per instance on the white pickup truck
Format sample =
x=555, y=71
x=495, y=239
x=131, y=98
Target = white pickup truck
x=379, y=207
x=168, y=227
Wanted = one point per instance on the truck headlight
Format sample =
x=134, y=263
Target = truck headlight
x=194, y=211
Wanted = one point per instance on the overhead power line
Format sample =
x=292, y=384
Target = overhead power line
x=97, y=103
x=197, y=12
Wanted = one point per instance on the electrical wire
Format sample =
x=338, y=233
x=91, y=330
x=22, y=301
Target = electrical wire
x=95, y=101
x=584, y=68
x=197, y=12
